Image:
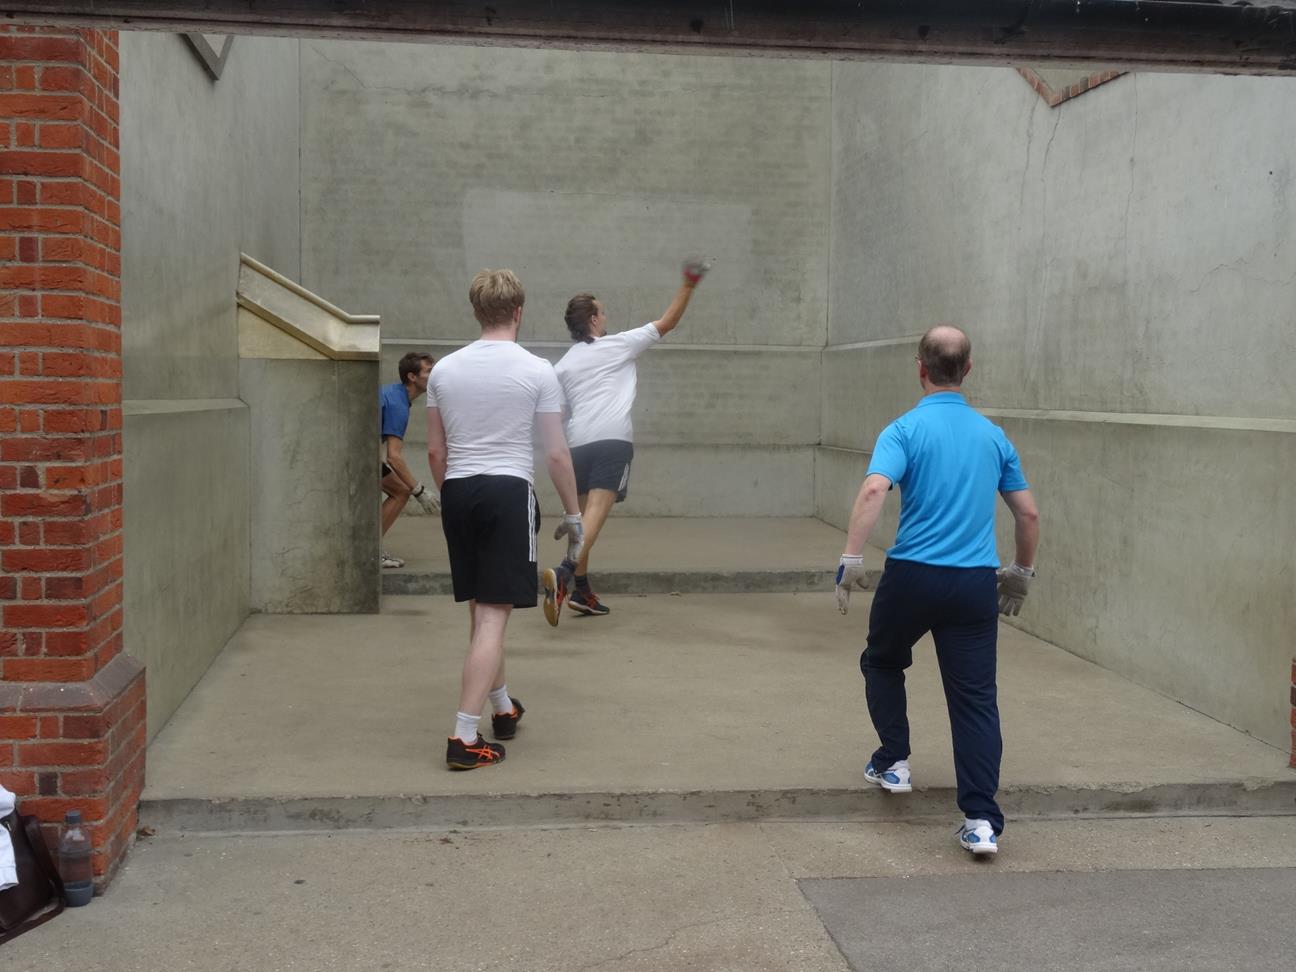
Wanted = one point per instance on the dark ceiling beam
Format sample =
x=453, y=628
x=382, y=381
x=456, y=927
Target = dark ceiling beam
x=1258, y=38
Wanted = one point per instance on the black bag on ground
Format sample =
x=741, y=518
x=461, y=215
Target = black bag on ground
x=38, y=895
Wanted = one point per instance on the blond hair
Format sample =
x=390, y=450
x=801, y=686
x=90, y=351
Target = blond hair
x=495, y=295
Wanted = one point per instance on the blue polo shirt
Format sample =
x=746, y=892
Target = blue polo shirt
x=394, y=403
x=950, y=463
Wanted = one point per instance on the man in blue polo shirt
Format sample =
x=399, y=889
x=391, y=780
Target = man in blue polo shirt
x=942, y=576
x=398, y=482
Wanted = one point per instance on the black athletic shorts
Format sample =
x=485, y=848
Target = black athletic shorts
x=603, y=465
x=490, y=525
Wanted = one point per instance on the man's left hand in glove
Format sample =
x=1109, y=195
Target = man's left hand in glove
x=427, y=499
x=850, y=576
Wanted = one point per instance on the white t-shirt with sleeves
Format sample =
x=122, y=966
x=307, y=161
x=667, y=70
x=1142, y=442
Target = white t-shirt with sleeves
x=488, y=394
x=600, y=380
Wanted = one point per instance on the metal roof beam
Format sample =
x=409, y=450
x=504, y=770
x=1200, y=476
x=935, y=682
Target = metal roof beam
x=1223, y=37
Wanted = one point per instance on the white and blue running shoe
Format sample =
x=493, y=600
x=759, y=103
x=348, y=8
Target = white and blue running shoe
x=978, y=837
x=893, y=780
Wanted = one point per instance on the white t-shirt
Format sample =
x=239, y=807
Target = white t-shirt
x=489, y=394
x=599, y=380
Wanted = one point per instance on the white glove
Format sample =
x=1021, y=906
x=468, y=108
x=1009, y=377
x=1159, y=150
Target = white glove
x=695, y=268
x=571, y=528
x=427, y=499
x=1014, y=581
x=850, y=575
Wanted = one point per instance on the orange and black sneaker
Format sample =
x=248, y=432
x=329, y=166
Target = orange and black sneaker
x=504, y=724
x=465, y=756
x=585, y=601
x=557, y=583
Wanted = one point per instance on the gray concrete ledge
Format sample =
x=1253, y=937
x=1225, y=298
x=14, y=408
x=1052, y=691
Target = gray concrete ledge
x=660, y=555
x=525, y=810
x=726, y=544
x=1228, y=423
x=170, y=406
x=675, y=344
x=306, y=316
x=785, y=581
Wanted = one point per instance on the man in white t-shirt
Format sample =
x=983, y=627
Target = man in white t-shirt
x=599, y=378
x=483, y=403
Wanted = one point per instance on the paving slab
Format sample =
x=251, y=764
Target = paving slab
x=637, y=900
x=702, y=708
x=1125, y=921
x=727, y=555
x=705, y=897
x=851, y=849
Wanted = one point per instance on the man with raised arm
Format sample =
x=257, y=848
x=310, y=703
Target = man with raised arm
x=941, y=576
x=599, y=377
x=484, y=402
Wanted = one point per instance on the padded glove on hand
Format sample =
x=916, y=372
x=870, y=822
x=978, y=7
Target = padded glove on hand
x=571, y=528
x=850, y=575
x=695, y=268
x=427, y=499
x=1014, y=582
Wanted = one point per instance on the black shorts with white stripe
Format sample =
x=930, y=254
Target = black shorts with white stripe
x=603, y=465
x=490, y=525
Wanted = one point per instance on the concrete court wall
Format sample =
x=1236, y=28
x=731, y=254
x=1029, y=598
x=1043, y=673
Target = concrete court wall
x=313, y=508
x=208, y=169
x=1124, y=265
x=590, y=171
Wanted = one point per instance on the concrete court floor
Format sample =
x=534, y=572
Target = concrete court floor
x=675, y=693
x=659, y=543
x=751, y=897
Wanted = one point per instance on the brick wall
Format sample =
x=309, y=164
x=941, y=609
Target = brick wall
x=71, y=704
x=1081, y=84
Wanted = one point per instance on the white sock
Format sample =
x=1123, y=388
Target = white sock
x=500, y=700
x=466, y=726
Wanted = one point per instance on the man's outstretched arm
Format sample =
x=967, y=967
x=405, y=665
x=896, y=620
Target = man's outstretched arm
x=694, y=271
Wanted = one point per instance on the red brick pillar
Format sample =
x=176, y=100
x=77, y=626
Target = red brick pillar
x=72, y=728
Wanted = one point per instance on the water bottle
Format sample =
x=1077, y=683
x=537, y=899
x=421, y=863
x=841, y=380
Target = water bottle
x=74, y=862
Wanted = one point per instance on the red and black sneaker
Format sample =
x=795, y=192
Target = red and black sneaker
x=504, y=724
x=557, y=582
x=465, y=756
x=587, y=602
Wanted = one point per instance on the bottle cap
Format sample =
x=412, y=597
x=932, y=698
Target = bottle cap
x=72, y=818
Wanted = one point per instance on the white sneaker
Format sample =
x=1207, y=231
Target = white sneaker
x=978, y=837
x=893, y=780
x=387, y=560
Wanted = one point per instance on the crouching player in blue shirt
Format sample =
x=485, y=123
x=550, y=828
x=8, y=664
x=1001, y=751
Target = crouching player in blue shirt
x=398, y=482
x=941, y=576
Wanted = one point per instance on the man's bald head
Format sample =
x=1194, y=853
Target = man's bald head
x=946, y=353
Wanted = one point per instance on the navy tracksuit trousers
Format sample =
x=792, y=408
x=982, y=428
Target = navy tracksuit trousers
x=960, y=607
